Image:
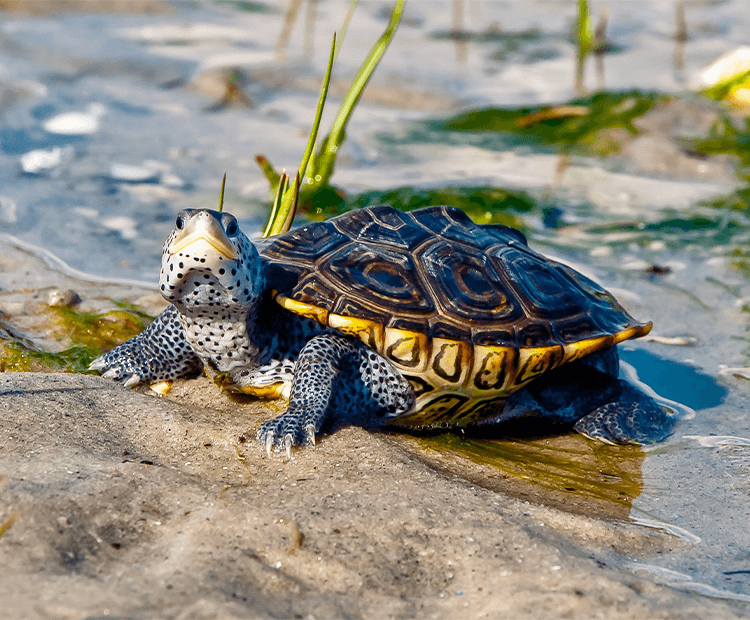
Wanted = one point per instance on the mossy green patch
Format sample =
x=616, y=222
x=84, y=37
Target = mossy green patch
x=103, y=331
x=89, y=334
x=484, y=204
x=16, y=357
x=583, y=125
x=568, y=464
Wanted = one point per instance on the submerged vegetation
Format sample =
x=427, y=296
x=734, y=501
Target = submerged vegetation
x=581, y=126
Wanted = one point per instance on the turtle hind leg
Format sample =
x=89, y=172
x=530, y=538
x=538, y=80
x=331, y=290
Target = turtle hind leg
x=587, y=395
x=633, y=417
x=335, y=375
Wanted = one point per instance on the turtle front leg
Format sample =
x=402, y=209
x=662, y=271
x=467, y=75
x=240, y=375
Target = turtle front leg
x=335, y=375
x=159, y=353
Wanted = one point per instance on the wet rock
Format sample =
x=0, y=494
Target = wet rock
x=126, y=226
x=42, y=160
x=680, y=117
x=658, y=155
x=63, y=297
x=76, y=123
x=663, y=146
x=53, y=7
x=132, y=174
x=224, y=84
x=8, y=211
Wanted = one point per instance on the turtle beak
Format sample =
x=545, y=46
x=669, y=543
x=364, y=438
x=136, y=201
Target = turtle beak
x=203, y=233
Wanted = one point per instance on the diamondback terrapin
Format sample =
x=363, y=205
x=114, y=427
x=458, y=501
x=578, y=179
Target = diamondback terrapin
x=419, y=319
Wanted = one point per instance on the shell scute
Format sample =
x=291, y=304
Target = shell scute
x=382, y=226
x=467, y=285
x=455, y=226
x=299, y=244
x=383, y=275
x=540, y=286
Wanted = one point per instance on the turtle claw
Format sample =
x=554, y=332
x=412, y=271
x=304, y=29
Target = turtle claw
x=288, y=445
x=110, y=374
x=284, y=433
x=98, y=364
x=132, y=381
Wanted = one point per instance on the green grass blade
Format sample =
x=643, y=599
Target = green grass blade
x=345, y=26
x=269, y=172
x=319, y=112
x=276, y=207
x=221, y=195
x=288, y=207
x=323, y=162
x=585, y=42
x=585, y=29
x=286, y=199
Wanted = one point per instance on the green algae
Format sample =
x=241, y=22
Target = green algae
x=583, y=125
x=16, y=357
x=564, y=470
x=99, y=330
x=88, y=334
x=248, y=6
x=483, y=203
x=486, y=205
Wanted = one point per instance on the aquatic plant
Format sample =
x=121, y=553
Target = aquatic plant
x=287, y=193
x=582, y=125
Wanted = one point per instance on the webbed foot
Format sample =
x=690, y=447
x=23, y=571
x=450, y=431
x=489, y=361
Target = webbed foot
x=633, y=418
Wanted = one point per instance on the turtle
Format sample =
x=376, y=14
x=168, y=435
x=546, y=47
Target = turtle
x=419, y=319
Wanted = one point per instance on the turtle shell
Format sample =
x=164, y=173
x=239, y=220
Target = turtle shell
x=467, y=313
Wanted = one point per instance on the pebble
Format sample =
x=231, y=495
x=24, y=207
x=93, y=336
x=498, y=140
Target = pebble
x=40, y=160
x=126, y=226
x=132, y=174
x=76, y=123
x=8, y=210
x=66, y=298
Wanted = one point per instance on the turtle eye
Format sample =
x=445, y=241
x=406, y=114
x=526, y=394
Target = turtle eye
x=232, y=228
x=180, y=223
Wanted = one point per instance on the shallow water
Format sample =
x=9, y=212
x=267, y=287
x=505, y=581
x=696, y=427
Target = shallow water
x=109, y=197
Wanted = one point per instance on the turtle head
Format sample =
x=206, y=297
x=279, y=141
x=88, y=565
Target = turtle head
x=209, y=266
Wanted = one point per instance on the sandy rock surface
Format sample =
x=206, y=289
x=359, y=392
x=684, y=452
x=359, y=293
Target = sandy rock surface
x=129, y=505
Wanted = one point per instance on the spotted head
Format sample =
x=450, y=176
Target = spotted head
x=208, y=266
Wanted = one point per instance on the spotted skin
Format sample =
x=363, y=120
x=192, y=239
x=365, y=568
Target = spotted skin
x=615, y=411
x=159, y=353
x=336, y=375
x=226, y=316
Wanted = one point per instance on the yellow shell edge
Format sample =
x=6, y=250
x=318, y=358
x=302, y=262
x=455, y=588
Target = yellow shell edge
x=408, y=350
x=450, y=363
x=307, y=310
x=369, y=332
